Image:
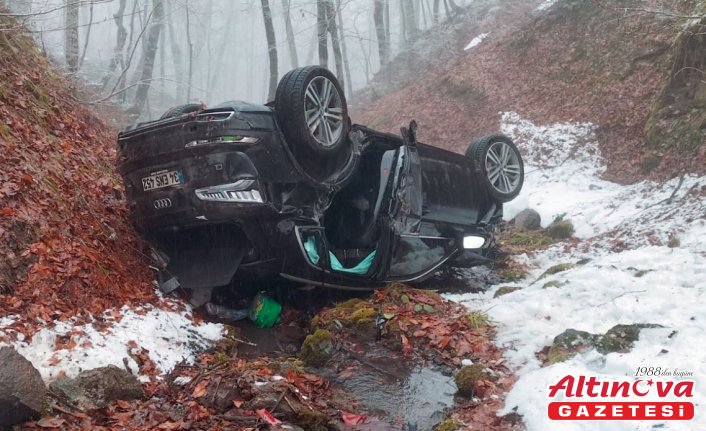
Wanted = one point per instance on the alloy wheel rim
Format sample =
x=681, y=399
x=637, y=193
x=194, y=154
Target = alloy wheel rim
x=323, y=111
x=502, y=165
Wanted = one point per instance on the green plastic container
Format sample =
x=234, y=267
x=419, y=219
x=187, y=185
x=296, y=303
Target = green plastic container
x=264, y=311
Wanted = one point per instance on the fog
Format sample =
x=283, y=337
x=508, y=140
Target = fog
x=212, y=50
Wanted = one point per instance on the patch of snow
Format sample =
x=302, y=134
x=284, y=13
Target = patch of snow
x=476, y=41
x=641, y=281
x=6, y=321
x=546, y=4
x=167, y=336
x=182, y=380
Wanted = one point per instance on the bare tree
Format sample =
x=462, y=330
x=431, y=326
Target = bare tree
x=176, y=54
x=148, y=57
x=322, y=30
x=335, y=41
x=294, y=60
x=380, y=31
x=71, y=42
x=346, y=63
x=118, y=61
x=190, y=45
x=271, y=48
x=88, y=33
x=409, y=19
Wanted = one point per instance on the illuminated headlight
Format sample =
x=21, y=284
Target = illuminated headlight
x=234, y=139
x=473, y=241
x=234, y=192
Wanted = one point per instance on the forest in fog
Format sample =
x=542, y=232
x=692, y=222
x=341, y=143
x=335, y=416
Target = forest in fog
x=151, y=54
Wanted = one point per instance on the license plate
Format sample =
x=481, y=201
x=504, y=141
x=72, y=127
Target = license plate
x=162, y=179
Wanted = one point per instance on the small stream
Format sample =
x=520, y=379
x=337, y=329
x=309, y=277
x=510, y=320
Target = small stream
x=417, y=399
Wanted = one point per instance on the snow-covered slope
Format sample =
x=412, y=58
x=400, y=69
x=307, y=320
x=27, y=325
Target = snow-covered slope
x=633, y=275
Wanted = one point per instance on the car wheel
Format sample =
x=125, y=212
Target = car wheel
x=180, y=110
x=311, y=110
x=499, y=165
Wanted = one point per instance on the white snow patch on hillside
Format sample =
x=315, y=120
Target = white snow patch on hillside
x=546, y=4
x=632, y=275
x=476, y=41
x=168, y=336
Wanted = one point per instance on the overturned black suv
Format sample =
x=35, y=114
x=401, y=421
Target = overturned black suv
x=292, y=189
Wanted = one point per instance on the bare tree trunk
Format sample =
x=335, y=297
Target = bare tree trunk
x=118, y=60
x=312, y=47
x=163, y=66
x=190, y=44
x=121, y=85
x=403, y=25
x=71, y=48
x=176, y=56
x=383, y=45
x=291, y=42
x=271, y=48
x=88, y=33
x=346, y=63
x=322, y=29
x=148, y=56
x=335, y=42
x=435, y=12
x=409, y=19
x=388, y=38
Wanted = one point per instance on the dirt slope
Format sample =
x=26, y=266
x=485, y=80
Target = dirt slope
x=65, y=245
x=579, y=60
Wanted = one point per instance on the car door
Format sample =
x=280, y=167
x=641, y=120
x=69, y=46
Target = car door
x=411, y=255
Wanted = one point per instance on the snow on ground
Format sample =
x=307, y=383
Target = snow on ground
x=476, y=41
x=633, y=276
x=168, y=336
x=546, y=4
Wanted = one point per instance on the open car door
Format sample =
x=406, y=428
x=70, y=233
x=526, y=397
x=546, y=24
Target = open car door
x=411, y=255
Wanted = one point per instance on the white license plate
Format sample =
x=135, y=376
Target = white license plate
x=162, y=179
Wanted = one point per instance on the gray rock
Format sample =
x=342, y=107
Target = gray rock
x=528, y=219
x=504, y=290
x=570, y=342
x=620, y=338
x=561, y=229
x=96, y=388
x=22, y=391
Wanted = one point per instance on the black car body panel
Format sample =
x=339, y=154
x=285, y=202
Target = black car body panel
x=221, y=190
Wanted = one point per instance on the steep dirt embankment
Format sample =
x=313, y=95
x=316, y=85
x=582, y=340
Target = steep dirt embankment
x=578, y=60
x=65, y=245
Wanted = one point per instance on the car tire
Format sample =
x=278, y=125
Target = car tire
x=320, y=126
x=180, y=110
x=498, y=165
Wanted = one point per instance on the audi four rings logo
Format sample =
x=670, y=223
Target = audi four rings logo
x=162, y=203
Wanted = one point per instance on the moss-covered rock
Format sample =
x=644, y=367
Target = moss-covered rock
x=317, y=348
x=447, y=425
x=673, y=242
x=567, y=344
x=561, y=229
x=467, y=377
x=561, y=267
x=554, y=284
x=620, y=338
x=504, y=290
x=312, y=420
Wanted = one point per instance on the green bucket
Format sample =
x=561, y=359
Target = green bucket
x=264, y=311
